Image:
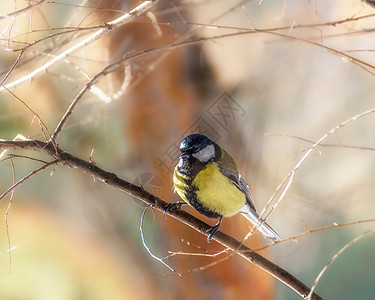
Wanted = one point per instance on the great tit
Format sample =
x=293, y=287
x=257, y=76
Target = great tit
x=207, y=179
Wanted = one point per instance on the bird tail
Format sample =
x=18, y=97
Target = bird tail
x=259, y=223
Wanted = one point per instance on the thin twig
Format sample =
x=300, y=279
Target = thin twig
x=125, y=18
x=319, y=229
x=7, y=212
x=351, y=243
x=19, y=182
x=209, y=265
x=11, y=69
x=71, y=107
x=290, y=177
x=179, y=44
x=23, y=10
x=43, y=126
x=180, y=253
x=322, y=144
x=110, y=26
x=147, y=248
x=10, y=156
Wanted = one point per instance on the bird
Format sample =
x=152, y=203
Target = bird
x=207, y=179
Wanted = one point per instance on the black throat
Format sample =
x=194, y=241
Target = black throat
x=190, y=166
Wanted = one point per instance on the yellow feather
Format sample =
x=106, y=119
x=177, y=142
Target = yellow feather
x=216, y=192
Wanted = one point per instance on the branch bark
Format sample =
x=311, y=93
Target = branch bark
x=113, y=180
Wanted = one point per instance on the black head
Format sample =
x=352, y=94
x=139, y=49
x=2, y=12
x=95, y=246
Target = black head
x=200, y=147
x=194, y=142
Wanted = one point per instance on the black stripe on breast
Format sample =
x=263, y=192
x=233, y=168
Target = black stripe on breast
x=190, y=167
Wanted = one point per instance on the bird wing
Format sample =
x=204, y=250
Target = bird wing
x=240, y=183
x=248, y=210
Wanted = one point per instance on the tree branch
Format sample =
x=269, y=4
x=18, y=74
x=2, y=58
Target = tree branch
x=111, y=179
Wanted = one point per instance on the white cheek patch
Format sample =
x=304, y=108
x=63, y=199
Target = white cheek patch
x=205, y=154
x=180, y=162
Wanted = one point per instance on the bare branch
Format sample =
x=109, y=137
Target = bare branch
x=125, y=18
x=19, y=182
x=151, y=200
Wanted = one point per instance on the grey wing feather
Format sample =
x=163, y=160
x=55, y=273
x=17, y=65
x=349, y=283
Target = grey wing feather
x=240, y=183
x=248, y=210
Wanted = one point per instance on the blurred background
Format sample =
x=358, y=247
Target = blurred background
x=264, y=79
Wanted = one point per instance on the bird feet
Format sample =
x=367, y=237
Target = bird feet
x=213, y=230
x=172, y=206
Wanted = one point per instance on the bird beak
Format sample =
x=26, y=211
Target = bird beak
x=183, y=155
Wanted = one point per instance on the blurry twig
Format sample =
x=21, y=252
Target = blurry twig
x=76, y=100
x=194, y=41
x=13, y=248
x=102, y=30
x=23, y=10
x=114, y=96
x=11, y=190
x=314, y=230
x=7, y=212
x=334, y=258
x=288, y=180
x=19, y=182
x=322, y=144
x=43, y=126
x=290, y=177
x=125, y=18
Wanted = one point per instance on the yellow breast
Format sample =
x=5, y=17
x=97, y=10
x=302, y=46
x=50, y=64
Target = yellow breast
x=217, y=193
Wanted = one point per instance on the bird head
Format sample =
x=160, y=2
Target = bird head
x=199, y=147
